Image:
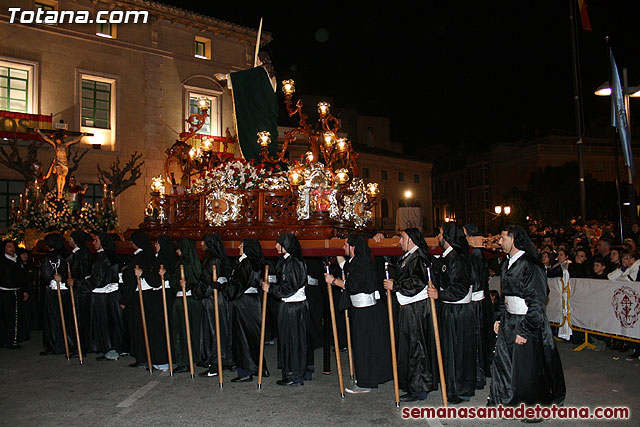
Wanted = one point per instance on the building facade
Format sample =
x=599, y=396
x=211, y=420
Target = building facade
x=132, y=85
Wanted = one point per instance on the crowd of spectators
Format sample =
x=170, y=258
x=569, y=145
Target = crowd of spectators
x=593, y=251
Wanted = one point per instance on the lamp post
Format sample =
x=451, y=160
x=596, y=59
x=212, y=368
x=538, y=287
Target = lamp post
x=502, y=211
x=628, y=92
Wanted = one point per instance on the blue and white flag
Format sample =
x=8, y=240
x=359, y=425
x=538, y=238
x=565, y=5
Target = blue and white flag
x=619, y=114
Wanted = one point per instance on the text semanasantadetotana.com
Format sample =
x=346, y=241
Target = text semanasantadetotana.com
x=517, y=412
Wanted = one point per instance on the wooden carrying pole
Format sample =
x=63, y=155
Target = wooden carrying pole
x=336, y=345
x=186, y=322
x=64, y=326
x=144, y=324
x=392, y=338
x=166, y=322
x=436, y=333
x=349, y=348
x=75, y=316
x=217, y=317
x=263, y=326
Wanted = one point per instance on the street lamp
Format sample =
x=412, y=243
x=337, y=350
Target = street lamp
x=628, y=92
x=408, y=194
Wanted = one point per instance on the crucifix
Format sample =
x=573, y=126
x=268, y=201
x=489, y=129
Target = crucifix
x=61, y=140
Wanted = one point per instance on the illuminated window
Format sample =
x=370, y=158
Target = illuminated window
x=202, y=48
x=212, y=123
x=106, y=30
x=96, y=104
x=46, y=5
x=14, y=89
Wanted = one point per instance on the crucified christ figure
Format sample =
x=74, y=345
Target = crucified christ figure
x=60, y=163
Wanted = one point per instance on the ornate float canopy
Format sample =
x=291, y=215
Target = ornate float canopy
x=316, y=197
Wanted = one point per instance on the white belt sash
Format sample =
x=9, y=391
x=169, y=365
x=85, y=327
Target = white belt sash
x=404, y=300
x=111, y=287
x=516, y=305
x=477, y=296
x=251, y=290
x=53, y=285
x=9, y=289
x=466, y=300
x=180, y=294
x=297, y=297
x=363, y=300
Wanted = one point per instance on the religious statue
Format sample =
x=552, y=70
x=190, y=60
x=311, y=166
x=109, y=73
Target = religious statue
x=76, y=195
x=61, y=140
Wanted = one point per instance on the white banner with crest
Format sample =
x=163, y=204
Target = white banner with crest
x=606, y=306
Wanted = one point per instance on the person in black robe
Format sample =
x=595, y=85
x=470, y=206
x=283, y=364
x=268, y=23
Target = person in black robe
x=29, y=274
x=482, y=309
x=80, y=262
x=53, y=272
x=14, y=292
x=215, y=254
x=293, y=316
x=526, y=366
x=417, y=361
x=367, y=320
x=107, y=324
x=150, y=283
x=458, y=330
x=187, y=259
x=242, y=292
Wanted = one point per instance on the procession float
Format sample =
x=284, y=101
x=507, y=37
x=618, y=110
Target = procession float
x=206, y=189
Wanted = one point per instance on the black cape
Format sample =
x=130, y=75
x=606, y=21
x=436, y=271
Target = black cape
x=483, y=314
x=107, y=324
x=293, y=318
x=246, y=315
x=530, y=373
x=458, y=331
x=369, y=327
x=417, y=361
x=13, y=325
x=52, y=334
x=80, y=262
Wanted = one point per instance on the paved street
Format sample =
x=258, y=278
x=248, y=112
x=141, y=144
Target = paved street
x=48, y=390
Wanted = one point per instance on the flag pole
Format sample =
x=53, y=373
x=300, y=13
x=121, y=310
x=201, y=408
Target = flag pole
x=579, y=109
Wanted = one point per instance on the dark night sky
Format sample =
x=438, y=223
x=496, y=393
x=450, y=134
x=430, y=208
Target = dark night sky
x=448, y=72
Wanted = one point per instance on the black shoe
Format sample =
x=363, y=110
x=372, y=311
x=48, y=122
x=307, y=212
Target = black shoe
x=208, y=373
x=633, y=356
x=104, y=359
x=180, y=369
x=265, y=373
x=288, y=383
x=229, y=367
x=46, y=352
x=136, y=365
x=246, y=379
x=454, y=400
x=408, y=397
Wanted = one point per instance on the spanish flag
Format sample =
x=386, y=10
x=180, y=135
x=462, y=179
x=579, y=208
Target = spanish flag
x=584, y=16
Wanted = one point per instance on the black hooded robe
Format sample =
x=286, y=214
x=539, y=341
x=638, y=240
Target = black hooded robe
x=52, y=334
x=368, y=325
x=152, y=299
x=107, y=324
x=293, y=317
x=80, y=262
x=483, y=314
x=530, y=373
x=179, y=344
x=13, y=284
x=203, y=290
x=246, y=315
x=458, y=331
x=417, y=361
